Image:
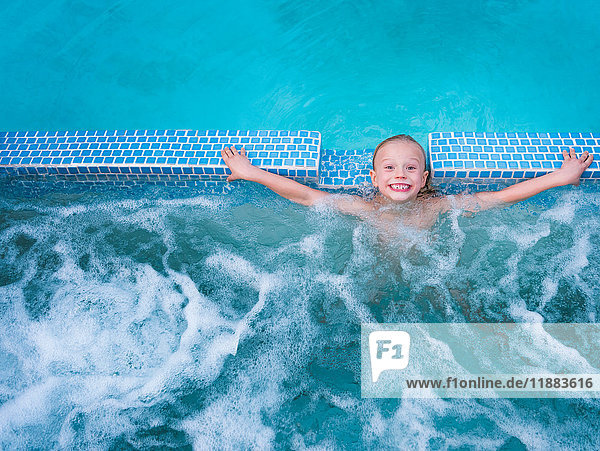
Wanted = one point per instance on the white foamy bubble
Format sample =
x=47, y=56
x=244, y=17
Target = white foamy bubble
x=156, y=293
x=340, y=285
x=237, y=268
x=243, y=271
x=14, y=340
x=362, y=255
x=564, y=209
x=30, y=408
x=568, y=265
x=525, y=427
x=344, y=402
x=71, y=210
x=234, y=419
x=69, y=270
x=549, y=290
x=578, y=254
x=518, y=311
x=524, y=235
x=119, y=206
x=148, y=219
x=538, y=342
x=310, y=246
x=199, y=201
x=414, y=425
x=326, y=444
x=224, y=426
x=376, y=426
x=97, y=425
x=207, y=331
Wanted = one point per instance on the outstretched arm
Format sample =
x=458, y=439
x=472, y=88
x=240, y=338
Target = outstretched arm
x=568, y=174
x=241, y=168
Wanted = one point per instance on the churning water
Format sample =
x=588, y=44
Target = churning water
x=234, y=321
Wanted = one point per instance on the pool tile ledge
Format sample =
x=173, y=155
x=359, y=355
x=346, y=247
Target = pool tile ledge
x=193, y=156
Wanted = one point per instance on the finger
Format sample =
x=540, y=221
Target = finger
x=589, y=160
x=572, y=153
x=225, y=152
x=243, y=152
x=565, y=154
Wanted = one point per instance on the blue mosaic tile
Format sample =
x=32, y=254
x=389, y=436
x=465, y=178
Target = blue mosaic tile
x=343, y=169
x=164, y=152
x=537, y=152
x=152, y=155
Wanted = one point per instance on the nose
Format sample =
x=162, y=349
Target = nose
x=399, y=173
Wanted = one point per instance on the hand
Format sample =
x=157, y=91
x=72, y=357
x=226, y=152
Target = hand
x=573, y=167
x=238, y=163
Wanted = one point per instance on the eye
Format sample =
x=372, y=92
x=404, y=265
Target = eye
x=389, y=166
x=411, y=167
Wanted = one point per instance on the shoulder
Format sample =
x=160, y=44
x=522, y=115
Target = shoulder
x=441, y=204
x=348, y=204
x=437, y=204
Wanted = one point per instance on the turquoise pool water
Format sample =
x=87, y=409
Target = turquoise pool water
x=356, y=72
x=164, y=318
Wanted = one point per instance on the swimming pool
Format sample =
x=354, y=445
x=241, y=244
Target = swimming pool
x=175, y=318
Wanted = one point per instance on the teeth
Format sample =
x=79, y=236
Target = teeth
x=400, y=186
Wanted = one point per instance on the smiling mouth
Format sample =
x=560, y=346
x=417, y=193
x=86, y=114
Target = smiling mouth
x=399, y=187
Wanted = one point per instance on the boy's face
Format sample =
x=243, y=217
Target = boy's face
x=399, y=171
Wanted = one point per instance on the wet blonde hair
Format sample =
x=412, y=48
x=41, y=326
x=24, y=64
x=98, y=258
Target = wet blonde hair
x=427, y=190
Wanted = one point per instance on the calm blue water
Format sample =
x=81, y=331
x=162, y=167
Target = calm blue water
x=178, y=319
x=356, y=72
